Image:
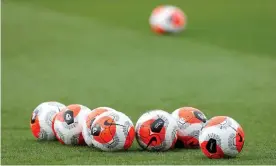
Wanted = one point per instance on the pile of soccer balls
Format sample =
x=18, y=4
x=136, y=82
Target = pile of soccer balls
x=109, y=130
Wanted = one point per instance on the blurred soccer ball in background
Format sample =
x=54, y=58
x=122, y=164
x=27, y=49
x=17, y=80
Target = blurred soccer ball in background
x=41, y=120
x=167, y=19
x=156, y=131
x=112, y=131
x=190, y=122
x=222, y=137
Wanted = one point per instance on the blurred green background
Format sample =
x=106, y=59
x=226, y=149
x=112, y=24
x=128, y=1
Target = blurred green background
x=102, y=53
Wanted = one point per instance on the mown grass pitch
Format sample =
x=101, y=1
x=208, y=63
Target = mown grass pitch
x=102, y=53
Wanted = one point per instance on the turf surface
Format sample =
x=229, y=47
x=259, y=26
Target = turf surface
x=102, y=53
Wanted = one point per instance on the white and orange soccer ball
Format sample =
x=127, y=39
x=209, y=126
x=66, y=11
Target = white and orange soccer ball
x=222, y=137
x=86, y=129
x=156, y=131
x=68, y=124
x=41, y=120
x=167, y=19
x=190, y=122
x=112, y=131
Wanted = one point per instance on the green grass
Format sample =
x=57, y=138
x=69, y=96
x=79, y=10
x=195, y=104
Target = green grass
x=102, y=53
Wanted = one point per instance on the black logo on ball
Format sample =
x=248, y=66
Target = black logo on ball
x=153, y=139
x=157, y=125
x=199, y=115
x=69, y=117
x=212, y=146
x=96, y=130
x=107, y=123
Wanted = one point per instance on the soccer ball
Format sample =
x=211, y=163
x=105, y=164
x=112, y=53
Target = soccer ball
x=156, y=131
x=41, y=120
x=68, y=124
x=112, y=131
x=221, y=137
x=86, y=129
x=167, y=19
x=190, y=122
